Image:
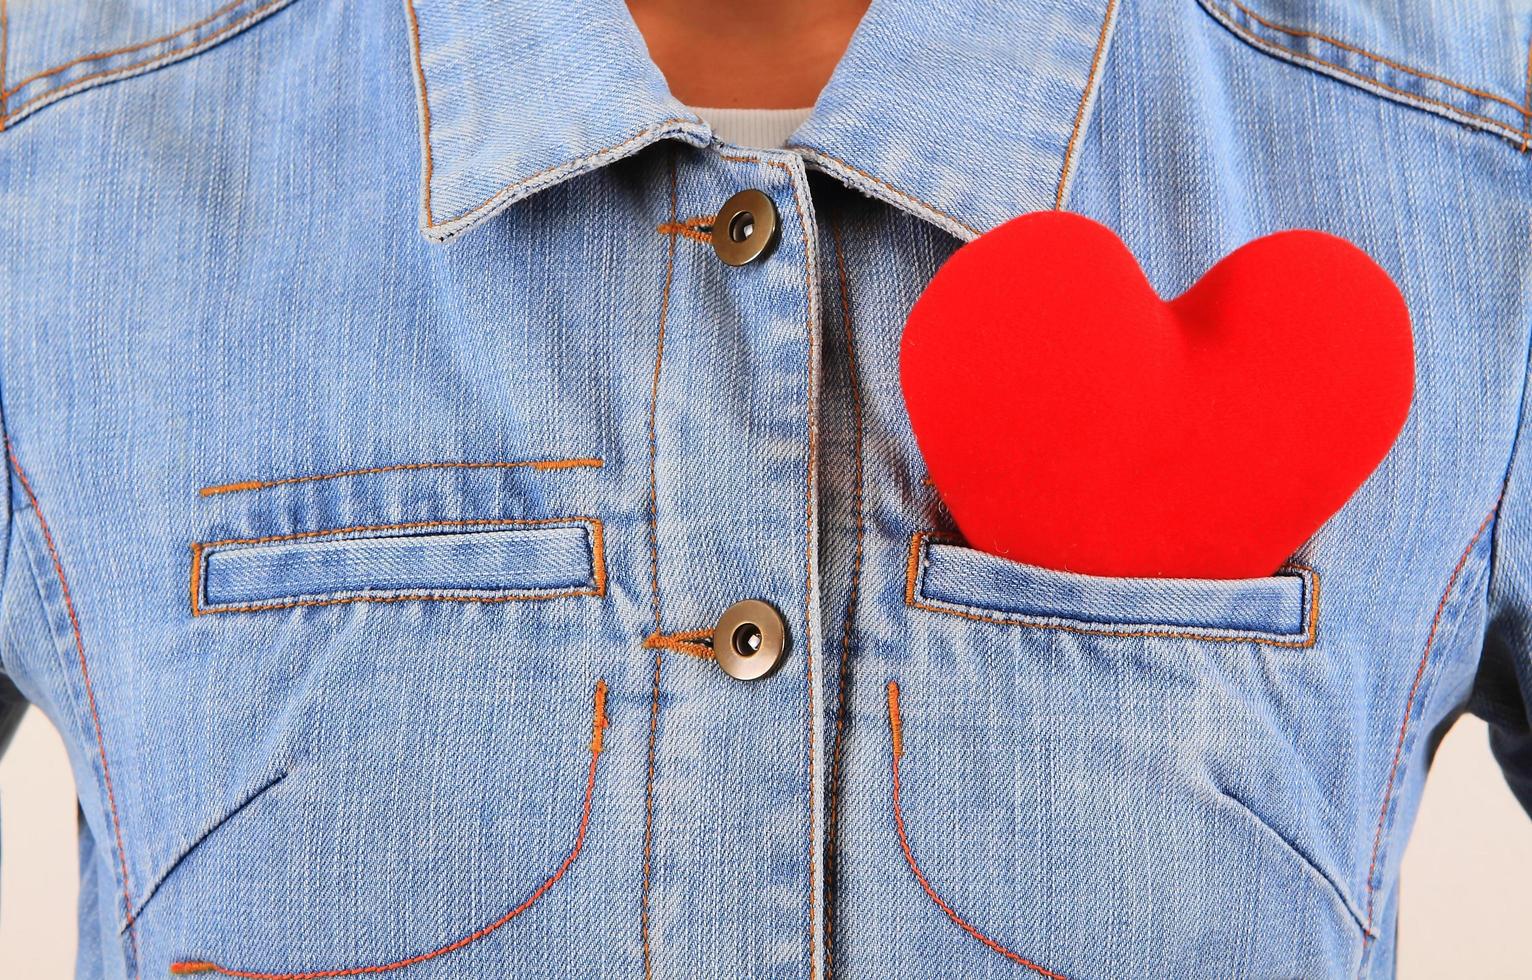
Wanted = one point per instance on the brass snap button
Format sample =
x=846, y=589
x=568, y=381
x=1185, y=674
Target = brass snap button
x=750, y=639
x=745, y=228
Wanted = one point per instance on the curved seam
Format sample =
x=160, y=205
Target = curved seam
x=599, y=723
x=896, y=736
x=194, y=45
x=832, y=819
x=1344, y=46
x=1409, y=707
x=654, y=577
x=90, y=697
x=196, y=842
x=533, y=464
x=1301, y=855
x=1072, y=147
x=1518, y=136
x=913, y=589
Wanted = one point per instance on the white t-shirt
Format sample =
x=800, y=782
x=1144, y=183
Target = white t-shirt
x=763, y=129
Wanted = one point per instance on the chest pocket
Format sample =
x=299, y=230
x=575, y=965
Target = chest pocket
x=453, y=561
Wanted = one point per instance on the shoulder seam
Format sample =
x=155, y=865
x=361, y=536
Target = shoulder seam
x=1469, y=105
x=45, y=87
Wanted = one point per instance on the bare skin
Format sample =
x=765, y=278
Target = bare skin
x=747, y=54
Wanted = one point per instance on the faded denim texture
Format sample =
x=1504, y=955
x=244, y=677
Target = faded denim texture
x=383, y=441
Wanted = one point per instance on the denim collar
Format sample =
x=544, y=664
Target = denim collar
x=962, y=112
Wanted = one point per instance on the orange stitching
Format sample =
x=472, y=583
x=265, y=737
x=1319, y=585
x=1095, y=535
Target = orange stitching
x=598, y=723
x=1526, y=137
x=536, y=464
x=1310, y=635
x=1295, y=32
x=1488, y=122
x=597, y=547
x=1409, y=706
x=697, y=229
x=820, y=155
x=896, y=736
x=685, y=642
x=832, y=819
x=90, y=693
x=654, y=568
x=1085, y=94
x=102, y=55
x=427, y=163
x=685, y=231
x=202, y=41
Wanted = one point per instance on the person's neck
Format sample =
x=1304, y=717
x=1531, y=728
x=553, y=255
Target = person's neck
x=755, y=54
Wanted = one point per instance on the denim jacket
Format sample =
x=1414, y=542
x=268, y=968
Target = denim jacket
x=386, y=441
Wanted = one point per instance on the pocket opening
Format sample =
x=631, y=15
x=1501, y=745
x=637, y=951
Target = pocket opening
x=481, y=560
x=945, y=577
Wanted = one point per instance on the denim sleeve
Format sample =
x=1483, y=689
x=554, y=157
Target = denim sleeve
x=1503, y=688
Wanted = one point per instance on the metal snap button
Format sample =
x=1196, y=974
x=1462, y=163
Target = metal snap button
x=750, y=639
x=745, y=228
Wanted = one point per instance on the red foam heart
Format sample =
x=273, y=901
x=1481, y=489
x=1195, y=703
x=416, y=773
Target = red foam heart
x=1072, y=419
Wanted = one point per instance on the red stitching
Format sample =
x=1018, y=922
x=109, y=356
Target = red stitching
x=90, y=695
x=896, y=736
x=1409, y=706
x=599, y=724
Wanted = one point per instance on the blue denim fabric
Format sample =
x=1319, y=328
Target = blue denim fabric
x=366, y=572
